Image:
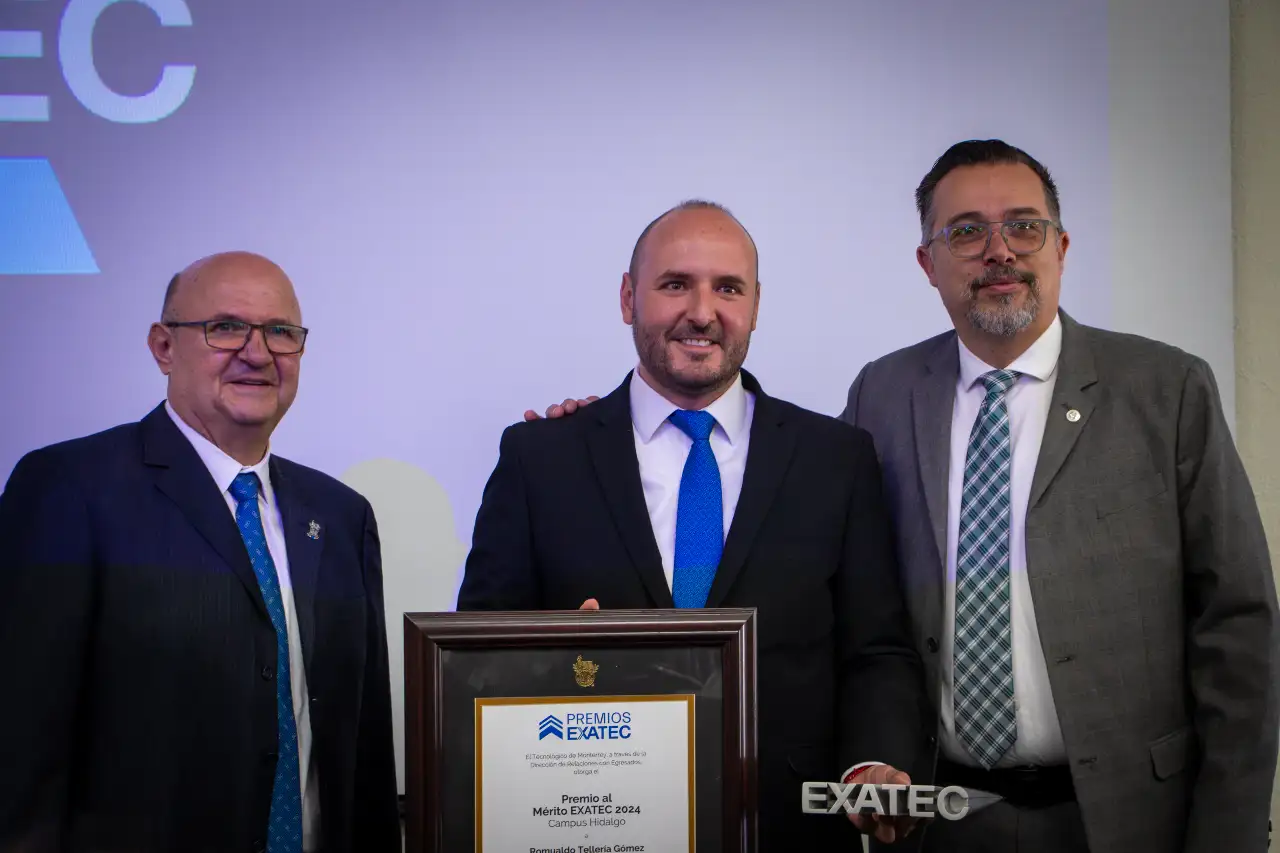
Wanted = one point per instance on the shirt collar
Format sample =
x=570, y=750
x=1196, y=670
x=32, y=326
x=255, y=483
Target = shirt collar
x=650, y=410
x=222, y=467
x=1039, y=361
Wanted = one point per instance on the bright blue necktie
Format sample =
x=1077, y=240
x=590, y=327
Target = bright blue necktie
x=985, y=719
x=699, y=514
x=284, y=825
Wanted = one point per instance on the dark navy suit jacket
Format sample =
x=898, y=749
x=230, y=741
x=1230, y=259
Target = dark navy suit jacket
x=563, y=519
x=137, y=658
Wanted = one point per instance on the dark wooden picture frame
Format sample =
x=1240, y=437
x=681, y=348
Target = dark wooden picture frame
x=429, y=636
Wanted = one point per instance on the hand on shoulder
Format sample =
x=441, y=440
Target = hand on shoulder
x=558, y=410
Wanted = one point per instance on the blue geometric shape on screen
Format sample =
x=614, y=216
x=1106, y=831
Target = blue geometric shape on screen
x=550, y=725
x=39, y=234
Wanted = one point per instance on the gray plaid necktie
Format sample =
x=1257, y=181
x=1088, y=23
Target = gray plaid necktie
x=984, y=713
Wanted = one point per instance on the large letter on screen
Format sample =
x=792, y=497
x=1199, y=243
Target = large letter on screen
x=75, y=50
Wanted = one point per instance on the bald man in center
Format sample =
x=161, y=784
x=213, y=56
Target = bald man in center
x=192, y=637
x=690, y=487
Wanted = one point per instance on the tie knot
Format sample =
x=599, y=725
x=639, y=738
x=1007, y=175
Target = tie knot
x=998, y=382
x=244, y=487
x=696, y=425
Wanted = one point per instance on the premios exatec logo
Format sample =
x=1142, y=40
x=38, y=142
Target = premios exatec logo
x=38, y=230
x=587, y=725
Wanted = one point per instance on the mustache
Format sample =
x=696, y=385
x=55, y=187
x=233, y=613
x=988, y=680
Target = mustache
x=996, y=274
x=711, y=332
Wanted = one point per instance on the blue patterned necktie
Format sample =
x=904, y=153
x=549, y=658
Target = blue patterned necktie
x=284, y=826
x=984, y=714
x=699, y=514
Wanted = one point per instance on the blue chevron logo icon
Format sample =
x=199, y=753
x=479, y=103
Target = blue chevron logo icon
x=550, y=725
x=39, y=234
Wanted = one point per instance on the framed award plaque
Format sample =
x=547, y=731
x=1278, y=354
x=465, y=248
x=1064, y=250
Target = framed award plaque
x=571, y=731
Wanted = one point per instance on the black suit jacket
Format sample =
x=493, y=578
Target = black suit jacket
x=138, y=660
x=563, y=519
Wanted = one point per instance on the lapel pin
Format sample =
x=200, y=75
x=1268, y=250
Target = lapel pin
x=1072, y=415
x=313, y=529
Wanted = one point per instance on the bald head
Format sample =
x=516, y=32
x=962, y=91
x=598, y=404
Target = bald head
x=691, y=297
x=692, y=212
x=224, y=266
x=226, y=380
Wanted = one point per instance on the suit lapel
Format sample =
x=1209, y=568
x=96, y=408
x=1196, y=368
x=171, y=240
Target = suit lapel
x=1071, y=392
x=183, y=478
x=611, y=442
x=932, y=400
x=772, y=442
x=304, y=537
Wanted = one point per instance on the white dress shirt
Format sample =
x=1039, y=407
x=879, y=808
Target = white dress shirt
x=224, y=470
x=1039, y=740
x=662, y=447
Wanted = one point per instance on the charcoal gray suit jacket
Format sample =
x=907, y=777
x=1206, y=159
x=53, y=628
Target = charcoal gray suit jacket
x=1149, y=572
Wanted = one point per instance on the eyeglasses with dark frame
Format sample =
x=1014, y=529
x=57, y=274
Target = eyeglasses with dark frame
x=969, y=240
x=233, y=335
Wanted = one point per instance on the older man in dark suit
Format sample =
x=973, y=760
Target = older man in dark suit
x=192, y=639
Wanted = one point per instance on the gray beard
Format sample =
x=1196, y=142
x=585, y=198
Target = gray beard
x=1004, y=319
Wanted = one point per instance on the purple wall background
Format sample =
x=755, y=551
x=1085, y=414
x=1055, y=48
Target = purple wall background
x=474, y=173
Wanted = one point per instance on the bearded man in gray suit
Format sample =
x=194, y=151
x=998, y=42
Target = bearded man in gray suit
x=1084, y=564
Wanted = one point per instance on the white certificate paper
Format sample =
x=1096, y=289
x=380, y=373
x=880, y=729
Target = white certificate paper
x=602, y=774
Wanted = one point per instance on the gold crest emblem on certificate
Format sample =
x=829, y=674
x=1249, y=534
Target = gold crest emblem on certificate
x=584, y=672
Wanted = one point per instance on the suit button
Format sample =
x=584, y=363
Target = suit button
x=933, y=741
x=269, y=758
x=268, y=673
x=259, y=847
x=931, y=644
